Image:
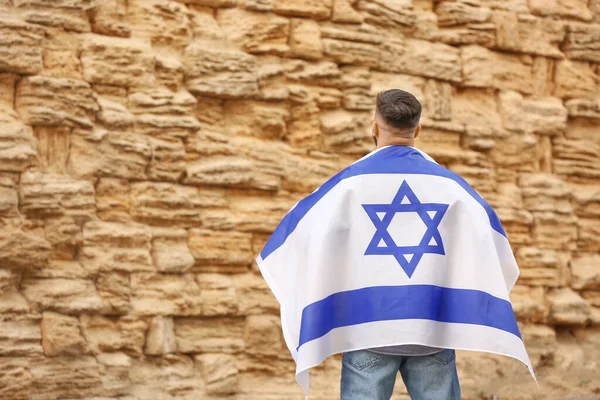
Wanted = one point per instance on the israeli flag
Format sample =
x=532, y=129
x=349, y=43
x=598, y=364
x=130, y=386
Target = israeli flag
x=393, y=250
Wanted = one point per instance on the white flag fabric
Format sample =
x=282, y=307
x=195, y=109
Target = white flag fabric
x=393, y=250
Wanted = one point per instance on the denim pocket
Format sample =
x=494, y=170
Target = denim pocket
x=361, y=359
x=444, y=357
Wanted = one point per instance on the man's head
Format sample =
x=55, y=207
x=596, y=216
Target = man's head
x=396, y=118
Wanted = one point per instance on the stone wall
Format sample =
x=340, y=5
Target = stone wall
x=149, y=147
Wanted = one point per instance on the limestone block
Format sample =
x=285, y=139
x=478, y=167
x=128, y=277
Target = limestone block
x=255, y=33
x=540, y=267
x=528, y=34
x=42, y=100
x=69, y=296
x=305, y=39
x=167, y=163
x=22, y=250
x=567, y=307
x=354, y=99
x=574, y=79
x=255, y=297
x=117, y=61
x=343, y=12
x=219, y=297
x=555, y=231
x=20, y=46
x=21, y=337
x=8, y=280
x=461, y=12
x=529, y=304
x=162, y=294
x=113, y=199
x=68, y=14
x=53, y=148
x=576, y=158
x=166, y=378
x=219, y=372
x=256, y=5
x=433, y=60
x=15, y=378
x=160, y=339
x=114, y=372
x=316, y=73
x=316, y=9
x=114, y=291
x=541, y=343
x=387, y=13
x=587, y=199
x=517, y=224
x=262, y=335
x=545, y=192
x=304, y=129
x=261, y=120
x=592, y=297
x=586, y=108
x=113, y=115
x=210, y=335
x=61, y=335
x=582, y=42
x=65, y=377
x=107, y=335
x=220, y=73
x=167, y=127
x=170, y=204
x=585, y=271
x=355, y=52
x=546, y=116
x=112, y=246
x=484, y=68
x=483, y=34
x=517, y=151
x=169, y=250
x=306, y=174
x=161, y=101
x=211, y=3
x=562, y=8
x=162, y=22
x=109, y=153
x=11, y=301
x=228, y=248
x=345, y=131
x=110, y=18
x=169, y=72
x=439, y=100
x=17, y=147
x=589, y=235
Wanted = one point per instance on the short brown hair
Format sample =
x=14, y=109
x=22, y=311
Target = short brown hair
x=399, y=109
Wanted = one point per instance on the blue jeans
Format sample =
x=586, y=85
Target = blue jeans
x=371, y=376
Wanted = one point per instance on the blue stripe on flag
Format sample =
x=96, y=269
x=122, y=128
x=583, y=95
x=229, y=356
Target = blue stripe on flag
x=385, y=161
x=386, y=303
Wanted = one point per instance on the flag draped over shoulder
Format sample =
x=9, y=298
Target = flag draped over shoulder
x=395, y=249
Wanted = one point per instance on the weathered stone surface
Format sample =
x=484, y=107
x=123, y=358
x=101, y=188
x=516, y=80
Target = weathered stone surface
x=163, y=22
x=582, y=42
x=117, y=61
x=343, y=12
x=220, y=73
x=21, y=250
x=387, y=13
x=484, y=68
x=43, y=100
x=68, y=14
x=541, y=267
x=544, y=116
x=255, y=32
x=588, y=108
x=589, y=233
x=20, y=46
x=317, y=9
x=65, y=377
x=110, y=18
x=61, y=335
x=219, y=297
x=261, y=120
x=219, y=372
x=262, y=335
x=567, y=307
x=529, y=304
x=220, y=248
x=106, y=335
x=585, y=272
x=160, y=339
x=161, y=294
x=69, y=296
x=575, y=79
x=17, y=146
x=114, y=291
x=15, y=378
x=254, y=295
x=461, y=12
x=576, y=157
x=20, y=338
x=528, y=34
x=209, y=336
x=170, y=252
x=116, y=247
x=55, y=195
x=570, y=8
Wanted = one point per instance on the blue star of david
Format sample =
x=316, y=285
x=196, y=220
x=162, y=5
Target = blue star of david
x=407, y=256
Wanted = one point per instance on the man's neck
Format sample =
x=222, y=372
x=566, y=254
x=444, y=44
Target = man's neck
x=396, y=142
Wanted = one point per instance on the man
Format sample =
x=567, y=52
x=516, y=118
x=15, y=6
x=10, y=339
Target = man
x=394, y=262
x=428, y=373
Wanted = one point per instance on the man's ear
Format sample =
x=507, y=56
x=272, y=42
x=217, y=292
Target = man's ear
x=418, y=130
